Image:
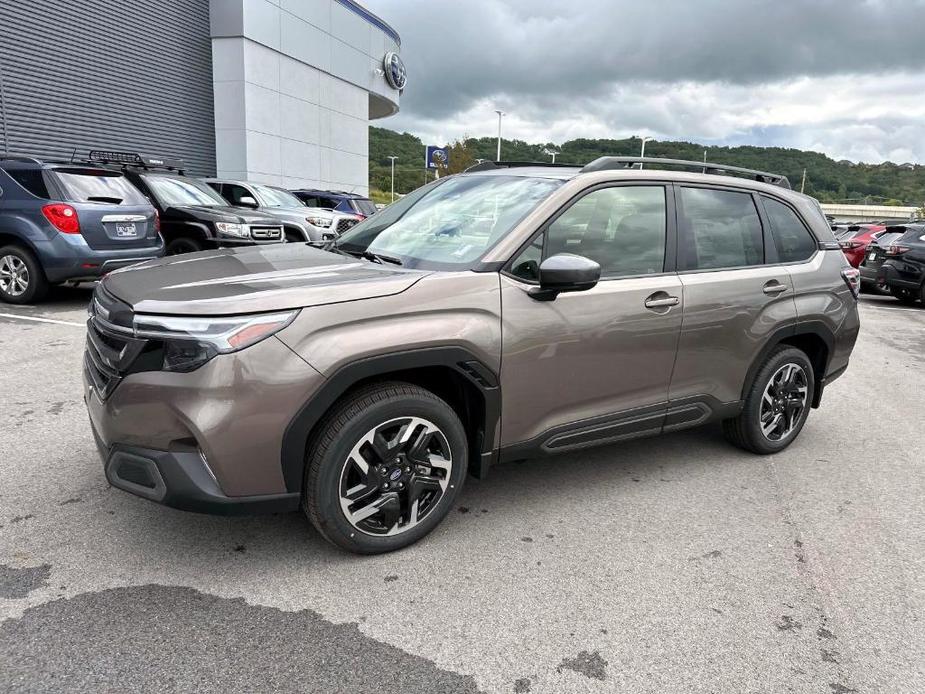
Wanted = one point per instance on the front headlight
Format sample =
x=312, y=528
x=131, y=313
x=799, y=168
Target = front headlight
x=231, y=229
x=322, y=222
x=189, y=342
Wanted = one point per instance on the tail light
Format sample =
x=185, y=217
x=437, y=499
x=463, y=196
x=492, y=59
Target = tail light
x=852, y=277
x=62, y=217
x=896, y=250
x=157, y=222
x=848, y=245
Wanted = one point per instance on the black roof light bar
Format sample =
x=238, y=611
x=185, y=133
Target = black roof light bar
x=134, y=159
x=610, y=163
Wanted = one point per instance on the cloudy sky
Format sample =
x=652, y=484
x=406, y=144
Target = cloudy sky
x=843, y=77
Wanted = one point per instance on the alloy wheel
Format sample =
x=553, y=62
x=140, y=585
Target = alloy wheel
x=783, y=402
x=14, y=275
x=395, y=476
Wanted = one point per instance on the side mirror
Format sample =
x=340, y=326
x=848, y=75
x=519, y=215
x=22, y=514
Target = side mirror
x=247, y=201
x=565, y=272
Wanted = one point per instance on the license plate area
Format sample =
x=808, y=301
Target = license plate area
x=126, y=230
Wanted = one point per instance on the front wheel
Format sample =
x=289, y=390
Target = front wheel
x=183, y=244
x=777, y=404
x=384, y=468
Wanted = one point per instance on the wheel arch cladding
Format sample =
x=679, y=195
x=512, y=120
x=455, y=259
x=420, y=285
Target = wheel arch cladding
x=813, y=338
x=452, y=373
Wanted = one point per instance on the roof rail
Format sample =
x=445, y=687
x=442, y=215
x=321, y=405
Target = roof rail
x=490, y=165
x=609, y=163
x=7, y=156
x=134, y=159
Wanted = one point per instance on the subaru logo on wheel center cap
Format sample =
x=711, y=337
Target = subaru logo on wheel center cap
x=395, y=474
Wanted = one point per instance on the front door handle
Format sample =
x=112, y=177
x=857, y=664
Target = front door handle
x=773, y=288
x=663, y=300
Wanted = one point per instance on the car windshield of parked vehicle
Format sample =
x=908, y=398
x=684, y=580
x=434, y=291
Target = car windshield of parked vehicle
x=364, y=206
x=449, y=224
x=275, y=197
x=176, y=191
x=94, y=185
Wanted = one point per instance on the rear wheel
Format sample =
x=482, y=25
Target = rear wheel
x=777, y=404
x=906, y=296
x=183, y=244
x=384, y=468
x=22, y=280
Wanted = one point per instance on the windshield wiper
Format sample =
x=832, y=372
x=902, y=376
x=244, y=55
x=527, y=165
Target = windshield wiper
x=380, y=258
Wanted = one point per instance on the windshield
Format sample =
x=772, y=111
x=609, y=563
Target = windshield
x=175, y=191
x=275, y=197
x=87, y=185
x=451, y=223
x=364, y=206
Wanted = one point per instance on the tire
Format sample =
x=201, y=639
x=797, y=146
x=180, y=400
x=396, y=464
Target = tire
x=746, y=431
x=906, y=296
x=345, y=434
x=183, y=244
x=22, y=280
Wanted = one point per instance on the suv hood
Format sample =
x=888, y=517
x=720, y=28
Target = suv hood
x=253, y=279
x=218, y=213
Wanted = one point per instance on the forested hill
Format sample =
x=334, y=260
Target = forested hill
x=826, y=179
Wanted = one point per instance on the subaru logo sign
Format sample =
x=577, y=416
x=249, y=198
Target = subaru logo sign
x=396, y=473
x=394, y=68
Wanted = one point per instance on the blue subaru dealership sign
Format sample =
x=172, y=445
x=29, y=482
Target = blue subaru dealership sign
x=436, y=157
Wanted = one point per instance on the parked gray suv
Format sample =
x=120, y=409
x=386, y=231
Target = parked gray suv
x=505, y=313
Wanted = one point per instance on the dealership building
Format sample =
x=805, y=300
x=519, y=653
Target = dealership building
x=278, y=91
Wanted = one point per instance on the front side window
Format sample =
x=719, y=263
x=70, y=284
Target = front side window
x=792, y=239
x=173, y=191
x=719, y=229
x=622, y=229
x=451, y=224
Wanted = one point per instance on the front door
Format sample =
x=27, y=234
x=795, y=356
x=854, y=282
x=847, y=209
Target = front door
x=593, y=366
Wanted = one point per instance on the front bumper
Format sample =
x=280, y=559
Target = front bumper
x=181, y=479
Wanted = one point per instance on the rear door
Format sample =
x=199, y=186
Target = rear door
x=735, y=296
x=113, y=213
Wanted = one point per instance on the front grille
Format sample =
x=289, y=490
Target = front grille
x=345, y=224
x=266, y=233
x=111, y=344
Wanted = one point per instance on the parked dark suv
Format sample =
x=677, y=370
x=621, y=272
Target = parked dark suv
x=902, y=270
x=193, y=216
x=338, y=200
x=62, y=222
x=505, y=313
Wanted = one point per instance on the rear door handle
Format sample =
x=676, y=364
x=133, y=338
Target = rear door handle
x=662, y=302
x=773, y=288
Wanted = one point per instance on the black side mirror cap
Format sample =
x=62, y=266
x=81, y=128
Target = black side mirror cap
x=565, y=272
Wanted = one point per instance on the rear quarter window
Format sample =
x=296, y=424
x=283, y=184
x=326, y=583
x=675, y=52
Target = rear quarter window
x=89, y=185
x=32, y=180
x=793, y=241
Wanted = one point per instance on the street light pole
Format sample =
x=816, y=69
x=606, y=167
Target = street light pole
x=642, y=151
x=393, y=177
x=500, y=113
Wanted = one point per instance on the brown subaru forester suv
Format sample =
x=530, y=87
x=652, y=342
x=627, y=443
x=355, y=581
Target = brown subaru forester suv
x=510, y=312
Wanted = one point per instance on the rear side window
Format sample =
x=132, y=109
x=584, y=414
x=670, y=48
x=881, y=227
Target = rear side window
x=87, y=185
x=30, y=179
x=719, y=229
x=792, y=239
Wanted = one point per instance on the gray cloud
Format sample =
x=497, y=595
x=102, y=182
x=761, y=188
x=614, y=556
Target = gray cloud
x=707, y=69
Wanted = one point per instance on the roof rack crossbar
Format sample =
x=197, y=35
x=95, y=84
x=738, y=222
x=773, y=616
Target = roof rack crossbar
x=609, y=163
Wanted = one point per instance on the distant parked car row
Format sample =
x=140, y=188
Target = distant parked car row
x=891, y=258
x=70, y=221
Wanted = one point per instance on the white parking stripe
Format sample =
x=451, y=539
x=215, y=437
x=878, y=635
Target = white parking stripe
x=894, y=308
x=42, y=320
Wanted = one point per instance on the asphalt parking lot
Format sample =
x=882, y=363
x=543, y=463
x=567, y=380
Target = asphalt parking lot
x=676, y=564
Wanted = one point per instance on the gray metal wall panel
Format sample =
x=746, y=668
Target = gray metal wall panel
x=134, y=75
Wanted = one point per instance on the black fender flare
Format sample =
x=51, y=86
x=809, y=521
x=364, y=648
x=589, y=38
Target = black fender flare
x=817, y=328
x=460, y=359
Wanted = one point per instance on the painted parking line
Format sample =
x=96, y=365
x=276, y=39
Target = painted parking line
x=42, y=320
x=894, y=308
